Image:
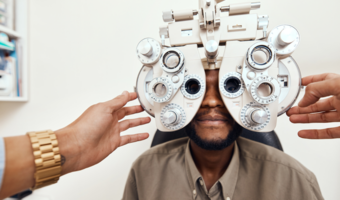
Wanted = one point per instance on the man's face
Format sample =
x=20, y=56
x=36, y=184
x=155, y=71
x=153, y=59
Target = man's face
x=213, y=128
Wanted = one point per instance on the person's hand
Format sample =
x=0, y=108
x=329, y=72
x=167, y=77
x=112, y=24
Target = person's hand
x=96, y=133
x=313, y=110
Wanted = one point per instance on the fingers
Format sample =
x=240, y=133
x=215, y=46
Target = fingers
x=331, y=116
x=126, y=139
x=121, y=113
x=315, y=91
x=316, y=78
x=121, y=100
x=320, y=134
x=129, y=123
x=321, y=106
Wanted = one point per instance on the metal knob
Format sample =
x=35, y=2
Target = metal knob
x=145, y=48
x=211, y=48
x=168, y=16
x=287, y=36
x=259, y=116
x=172, y=116
x=171, y=60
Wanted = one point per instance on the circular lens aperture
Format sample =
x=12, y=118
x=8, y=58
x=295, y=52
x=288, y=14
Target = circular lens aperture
x=232, y=84
x=265, y=90
x=261, y=55
x=192, y=86
x=160, y=89
x=171, y=59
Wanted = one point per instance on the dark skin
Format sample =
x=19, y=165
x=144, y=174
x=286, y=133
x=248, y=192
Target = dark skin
x=212, y=122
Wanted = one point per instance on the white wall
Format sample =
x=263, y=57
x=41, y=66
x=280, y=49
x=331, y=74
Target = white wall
x=82, y=52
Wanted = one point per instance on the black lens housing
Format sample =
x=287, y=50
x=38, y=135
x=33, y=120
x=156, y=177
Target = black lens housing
x=232, y=84
x=192, y=86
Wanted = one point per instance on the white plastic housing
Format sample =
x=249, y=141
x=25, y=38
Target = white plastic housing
x=232, y=37
x=192, y=65
x=234, y=56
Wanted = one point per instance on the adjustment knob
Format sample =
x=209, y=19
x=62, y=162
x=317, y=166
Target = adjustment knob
x=172, y=117
x=149, y=51
x=284, y=39
x=168, y=16
x=255, y=116
x=211, y=48
x=259, y=116
x=287, y=36
x=145, y=48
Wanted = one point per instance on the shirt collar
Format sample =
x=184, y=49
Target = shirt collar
x=228, y=179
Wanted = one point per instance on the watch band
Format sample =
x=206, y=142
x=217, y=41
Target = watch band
x=47, y=158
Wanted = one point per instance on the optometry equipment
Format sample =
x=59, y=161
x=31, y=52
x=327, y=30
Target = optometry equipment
x=258, y=78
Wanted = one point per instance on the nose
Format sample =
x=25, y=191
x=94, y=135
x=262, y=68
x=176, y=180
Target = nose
x=212, y=98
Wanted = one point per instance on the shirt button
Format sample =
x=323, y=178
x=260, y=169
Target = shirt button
x=194, y=192
x=201, y=182
x=228, y=198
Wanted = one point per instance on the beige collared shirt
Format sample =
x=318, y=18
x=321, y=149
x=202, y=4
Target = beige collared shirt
x=223, y=188
x=256, y=171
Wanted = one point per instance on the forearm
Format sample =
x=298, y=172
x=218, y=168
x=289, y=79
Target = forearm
x=19, y=166
x=83, y=143
x=68, y=150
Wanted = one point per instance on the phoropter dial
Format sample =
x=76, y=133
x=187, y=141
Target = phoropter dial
x=255, y=116
x=160, y=89
x=172, y=60
x=260, y=56
x=149, y=51
x=284, y=39
x=265, y=89
x=173, y=116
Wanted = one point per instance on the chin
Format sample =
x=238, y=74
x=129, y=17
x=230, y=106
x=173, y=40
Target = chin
x=213, y=137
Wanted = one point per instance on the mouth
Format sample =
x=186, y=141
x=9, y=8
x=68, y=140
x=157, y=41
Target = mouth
x=213, y=120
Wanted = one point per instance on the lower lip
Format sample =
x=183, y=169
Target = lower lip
x=212, y=123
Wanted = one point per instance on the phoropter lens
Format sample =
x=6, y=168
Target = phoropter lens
x=232, y=85
x=160, y=90
x=171, y=59
x=261, y=55
x=192, y=86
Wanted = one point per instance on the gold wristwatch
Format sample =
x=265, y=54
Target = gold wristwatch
x=47, y=158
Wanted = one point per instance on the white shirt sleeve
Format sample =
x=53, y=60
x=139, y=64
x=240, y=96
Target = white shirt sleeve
x=2, y=159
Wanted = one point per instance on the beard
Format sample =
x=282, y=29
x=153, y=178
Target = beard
x=216, y=144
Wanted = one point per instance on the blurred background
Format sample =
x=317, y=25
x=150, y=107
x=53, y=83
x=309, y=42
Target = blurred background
x=77, y=53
